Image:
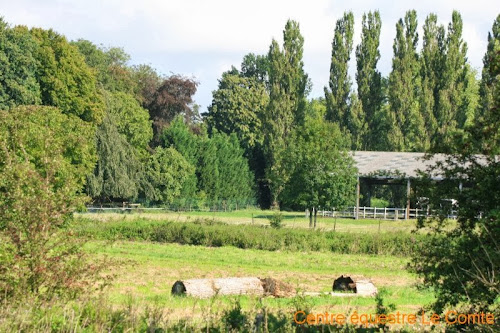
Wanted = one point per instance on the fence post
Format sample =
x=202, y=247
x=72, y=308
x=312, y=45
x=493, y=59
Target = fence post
x=375, y=213
x=385, y=213
x=396, y=210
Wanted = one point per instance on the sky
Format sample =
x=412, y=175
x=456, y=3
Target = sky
x=202, y=39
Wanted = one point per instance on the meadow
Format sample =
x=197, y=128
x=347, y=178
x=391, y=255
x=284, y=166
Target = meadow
x=150, y=251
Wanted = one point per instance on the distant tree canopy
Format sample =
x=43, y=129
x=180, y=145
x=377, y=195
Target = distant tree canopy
x=429, y=101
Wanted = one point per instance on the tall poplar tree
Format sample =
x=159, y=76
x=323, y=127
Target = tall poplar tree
x=337, y=97
x=431, y=69
x=487, y=80
x=405, y=87
x=288, y=87
x=369, y=81
x=452, y=103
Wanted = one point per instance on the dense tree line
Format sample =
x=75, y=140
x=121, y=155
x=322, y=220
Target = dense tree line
x=148, y=131
x=426, y=103
x=133, y=122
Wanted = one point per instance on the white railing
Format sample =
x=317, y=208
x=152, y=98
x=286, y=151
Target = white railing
x=380, y=213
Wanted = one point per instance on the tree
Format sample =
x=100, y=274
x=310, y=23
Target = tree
x=18, y=82
x=369, y=82
x=255, y=66
x=64, y=78
x=461, y=262
x=356, y=124
x=118, y=171
x=147, y=81
x=236, y=180
x=288, y=87
x=237, y=107
x=337, y=98
x=174, y=96
x=166, y=172
x=110, y=64
x=179, y=137
x=405, y=88
x=487, y=82
x=44, y=158
x=452, y=105
x=322, y=172
x=130, y=119
x=431, y=69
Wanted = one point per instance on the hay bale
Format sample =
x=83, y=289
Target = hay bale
x=360, y=285
x=277, y=288
x=204, y=288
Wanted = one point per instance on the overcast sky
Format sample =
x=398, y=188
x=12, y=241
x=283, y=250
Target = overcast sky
x=204, y=38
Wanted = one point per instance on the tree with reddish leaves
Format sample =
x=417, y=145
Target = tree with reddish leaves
x=174, y=96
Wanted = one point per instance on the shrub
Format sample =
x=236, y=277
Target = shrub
x=276, y=220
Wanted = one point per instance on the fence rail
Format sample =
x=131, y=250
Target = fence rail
x=381, y=213
x=386, y=213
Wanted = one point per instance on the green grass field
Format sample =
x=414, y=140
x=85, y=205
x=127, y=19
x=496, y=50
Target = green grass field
x=145, y=271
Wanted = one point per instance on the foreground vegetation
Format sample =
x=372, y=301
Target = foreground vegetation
x=139, y=297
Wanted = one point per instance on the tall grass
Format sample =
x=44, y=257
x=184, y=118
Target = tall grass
x=216, y=234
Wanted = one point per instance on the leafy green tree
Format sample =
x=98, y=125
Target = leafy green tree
x=337, y=98
x=110, y=65
x=356, y=124
x=452, y=105
x=255, y=66
x=322, y=174
x=44, y=158
x=369, y=82
x=460, y=262
x=432, y=67
x=237, y=107
x=167, y=172
x=235, y=179
x=64, y=78
x=208, y=170
x=405, y=88
x=288, y=87
x=118, y=171
x=130, y=119
x=18, y=82
x=179, y=137
x=487, y=82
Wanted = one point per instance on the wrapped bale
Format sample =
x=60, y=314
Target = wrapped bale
x=205, y=288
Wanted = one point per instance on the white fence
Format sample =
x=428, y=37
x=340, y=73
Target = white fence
x=380, y=213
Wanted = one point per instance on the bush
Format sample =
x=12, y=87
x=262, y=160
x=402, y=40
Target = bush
x=276, y=220
x=42, y=169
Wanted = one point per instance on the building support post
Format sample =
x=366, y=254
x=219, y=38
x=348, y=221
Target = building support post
x=357, y=200
x=408, y=193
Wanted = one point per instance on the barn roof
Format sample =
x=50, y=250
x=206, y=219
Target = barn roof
x=370, y=162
